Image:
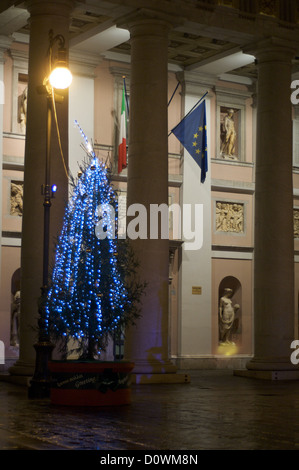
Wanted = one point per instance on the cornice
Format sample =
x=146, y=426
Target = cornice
x=5, y=43
x=83, y=63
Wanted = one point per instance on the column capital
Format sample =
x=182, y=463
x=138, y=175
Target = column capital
x=83, y=63
x=52, y=7
x=147, y=19
x=5, y=43
x=272, y=49
x=195, y=83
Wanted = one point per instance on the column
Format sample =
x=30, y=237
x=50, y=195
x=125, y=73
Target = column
x=274, y=237
x=5, y=43
x=44, y=16
x=147, y=343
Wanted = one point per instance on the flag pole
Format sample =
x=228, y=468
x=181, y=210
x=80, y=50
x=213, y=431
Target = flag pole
x=173, y=93
x=196, y=104
x=126, y=95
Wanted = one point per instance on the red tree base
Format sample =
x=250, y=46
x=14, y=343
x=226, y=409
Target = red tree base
x=95, y=383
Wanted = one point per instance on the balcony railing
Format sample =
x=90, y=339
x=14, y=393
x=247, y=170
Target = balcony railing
x=284, y=10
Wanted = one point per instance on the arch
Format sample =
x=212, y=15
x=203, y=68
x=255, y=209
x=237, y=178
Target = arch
x=15, y=307
x=16, y=281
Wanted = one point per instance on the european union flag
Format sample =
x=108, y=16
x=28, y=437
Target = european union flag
x=192, y=133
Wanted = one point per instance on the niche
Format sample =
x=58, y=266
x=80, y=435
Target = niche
x=15, y=308
x=229, y=312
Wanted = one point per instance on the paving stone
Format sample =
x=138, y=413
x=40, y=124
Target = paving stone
x=215, y=411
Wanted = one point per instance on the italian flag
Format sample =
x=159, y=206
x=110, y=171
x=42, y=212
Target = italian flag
x=122, y=142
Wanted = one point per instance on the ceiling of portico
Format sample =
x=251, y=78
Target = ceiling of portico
x=93, y=29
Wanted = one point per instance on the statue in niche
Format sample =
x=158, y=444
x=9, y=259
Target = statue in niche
x=15, y=319
x=227, y=315
x=16, y=199
x=228, y=136
x=22, y=114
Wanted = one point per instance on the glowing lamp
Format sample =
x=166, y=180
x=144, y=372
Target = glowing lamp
x=61, y=76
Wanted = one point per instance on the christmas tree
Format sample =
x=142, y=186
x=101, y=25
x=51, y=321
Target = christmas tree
x=94, y=292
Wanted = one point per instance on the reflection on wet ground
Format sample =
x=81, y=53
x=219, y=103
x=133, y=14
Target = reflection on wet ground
x=215, y=411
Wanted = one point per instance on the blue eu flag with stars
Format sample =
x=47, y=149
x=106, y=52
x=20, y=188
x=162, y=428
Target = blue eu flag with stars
x=192, y=133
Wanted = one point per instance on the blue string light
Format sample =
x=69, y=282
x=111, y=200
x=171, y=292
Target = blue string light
x=87, y=294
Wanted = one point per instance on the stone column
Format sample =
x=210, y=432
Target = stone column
x=44, y=16
x=147, y=343
x=274, y=236
x=5, y=43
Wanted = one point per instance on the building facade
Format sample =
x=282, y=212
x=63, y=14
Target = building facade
x=235, y=256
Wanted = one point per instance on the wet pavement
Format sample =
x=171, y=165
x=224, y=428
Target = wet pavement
x=215, y=411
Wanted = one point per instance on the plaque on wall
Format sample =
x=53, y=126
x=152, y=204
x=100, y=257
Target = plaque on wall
x=196, y=290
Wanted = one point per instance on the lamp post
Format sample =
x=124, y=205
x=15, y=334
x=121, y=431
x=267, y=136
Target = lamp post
x=59, y=78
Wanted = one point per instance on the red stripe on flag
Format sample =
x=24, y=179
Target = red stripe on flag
x=122, y=155
x=122, y=145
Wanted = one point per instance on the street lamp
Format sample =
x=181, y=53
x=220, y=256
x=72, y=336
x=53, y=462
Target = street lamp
x=59, y=78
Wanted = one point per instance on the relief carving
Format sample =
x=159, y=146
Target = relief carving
x=267, y=7
x=296, y=223
x=229, y=217
x=16, y=198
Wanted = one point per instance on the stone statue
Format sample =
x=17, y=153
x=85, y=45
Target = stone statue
x=227, y=313
x=23, y=110
x=15, y=319
x=229, y=136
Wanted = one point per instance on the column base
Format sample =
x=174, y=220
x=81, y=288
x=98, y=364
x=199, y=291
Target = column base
x=21, y=368
x=268, y=374
x=143, y=379
x=272, y=368
x=20, y=373
x=157, y=372
x=15, y=379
